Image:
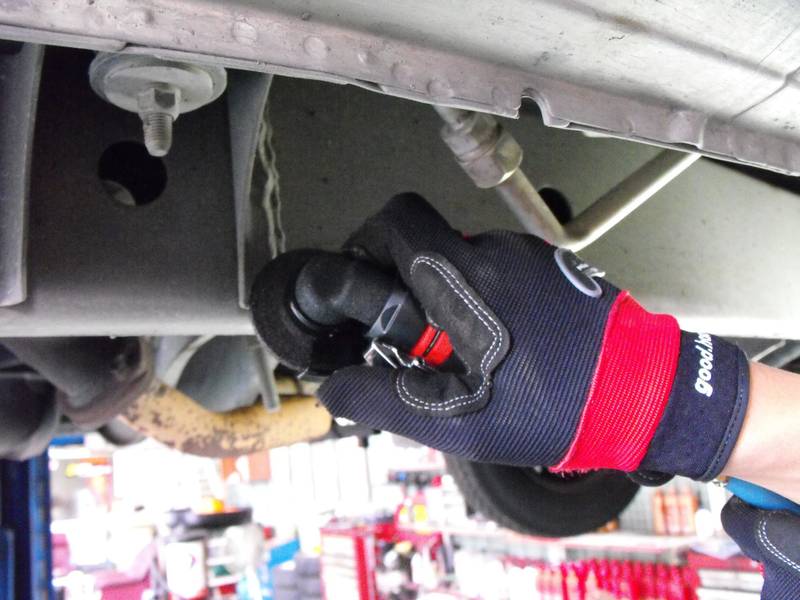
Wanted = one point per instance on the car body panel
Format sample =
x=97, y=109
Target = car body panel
x=716, y=76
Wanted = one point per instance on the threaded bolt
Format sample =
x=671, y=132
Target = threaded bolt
x=157, y=133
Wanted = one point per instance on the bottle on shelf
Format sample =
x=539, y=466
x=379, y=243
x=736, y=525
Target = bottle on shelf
x=662, y=582
x=688, y=504
x=672, y=511
x=557, y=585
x=591, y=586
x=648, y=585
x=627, y=585
x=572, y=582
x=659, y=513
x=543, y=584
x=606, y=581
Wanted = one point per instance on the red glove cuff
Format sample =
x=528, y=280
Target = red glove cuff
x=629, y=391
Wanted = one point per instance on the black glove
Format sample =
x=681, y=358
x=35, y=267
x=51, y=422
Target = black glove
x=771, y=537
x=562, y=368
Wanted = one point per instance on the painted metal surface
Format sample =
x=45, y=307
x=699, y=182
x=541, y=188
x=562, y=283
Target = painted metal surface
x=716, y=247
x=20, y=69
x=25, y=497
x=102, y=268
x=716, y=76
x=182, y=264
x=247, y=99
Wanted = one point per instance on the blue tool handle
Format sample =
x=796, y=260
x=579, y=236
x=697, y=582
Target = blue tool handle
x=760, y=497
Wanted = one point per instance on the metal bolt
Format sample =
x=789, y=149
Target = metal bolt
x=157, y=133
x=158, y=109
x=159, y=91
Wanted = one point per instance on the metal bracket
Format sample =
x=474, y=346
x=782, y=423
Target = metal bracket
x=247, y=99
x=20, y=73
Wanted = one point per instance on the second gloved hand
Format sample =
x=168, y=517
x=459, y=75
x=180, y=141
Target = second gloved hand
x=770, y=537
x=562, y=369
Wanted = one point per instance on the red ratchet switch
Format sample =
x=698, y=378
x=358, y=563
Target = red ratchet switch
x=433, y=346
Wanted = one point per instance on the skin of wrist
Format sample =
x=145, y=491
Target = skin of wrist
x=767, y=451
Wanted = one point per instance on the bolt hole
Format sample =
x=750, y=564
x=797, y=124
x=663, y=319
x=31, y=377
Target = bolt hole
x=557, y=203
x=130, y=175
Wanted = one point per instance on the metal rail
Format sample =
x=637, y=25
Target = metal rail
x=611, y=208
x=682, y=83
x=492, y=158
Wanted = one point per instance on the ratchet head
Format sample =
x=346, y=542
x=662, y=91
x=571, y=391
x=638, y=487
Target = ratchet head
x=316, y=311
x=296, y=339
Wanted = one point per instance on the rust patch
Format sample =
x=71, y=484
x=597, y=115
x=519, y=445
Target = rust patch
x=175, y=420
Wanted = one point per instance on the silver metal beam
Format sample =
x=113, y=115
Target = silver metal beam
x=247, y=99
x=685, y=74
x=20, y=69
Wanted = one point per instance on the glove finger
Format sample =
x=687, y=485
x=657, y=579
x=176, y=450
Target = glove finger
x=477, y=335
x=770, y=537
x=409, y=234
x=405, y=226
x=369, y=395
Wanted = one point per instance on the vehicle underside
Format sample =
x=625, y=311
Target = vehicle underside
x=128, y=247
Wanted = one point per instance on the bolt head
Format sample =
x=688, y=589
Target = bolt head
x=160, y=100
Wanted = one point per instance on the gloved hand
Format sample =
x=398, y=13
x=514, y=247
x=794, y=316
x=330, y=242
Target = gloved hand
x=562, y=369
x=770, y=537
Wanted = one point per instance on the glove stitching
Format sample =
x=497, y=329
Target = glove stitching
x=767, y=543
x=468, y=300
x=436, y=406
x=405, y=395
x=740, y=405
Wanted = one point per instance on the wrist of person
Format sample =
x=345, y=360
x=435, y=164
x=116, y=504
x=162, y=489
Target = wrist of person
x=767, y=451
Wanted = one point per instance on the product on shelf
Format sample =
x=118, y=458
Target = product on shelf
x=674, y=510
x=659, y=514
x=602, y=580
x=687, y=506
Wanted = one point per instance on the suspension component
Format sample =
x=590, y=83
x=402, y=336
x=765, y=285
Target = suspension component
x=96, y=378
x=174, y=419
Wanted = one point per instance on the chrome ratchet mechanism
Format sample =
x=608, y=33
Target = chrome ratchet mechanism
x=392, y=356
